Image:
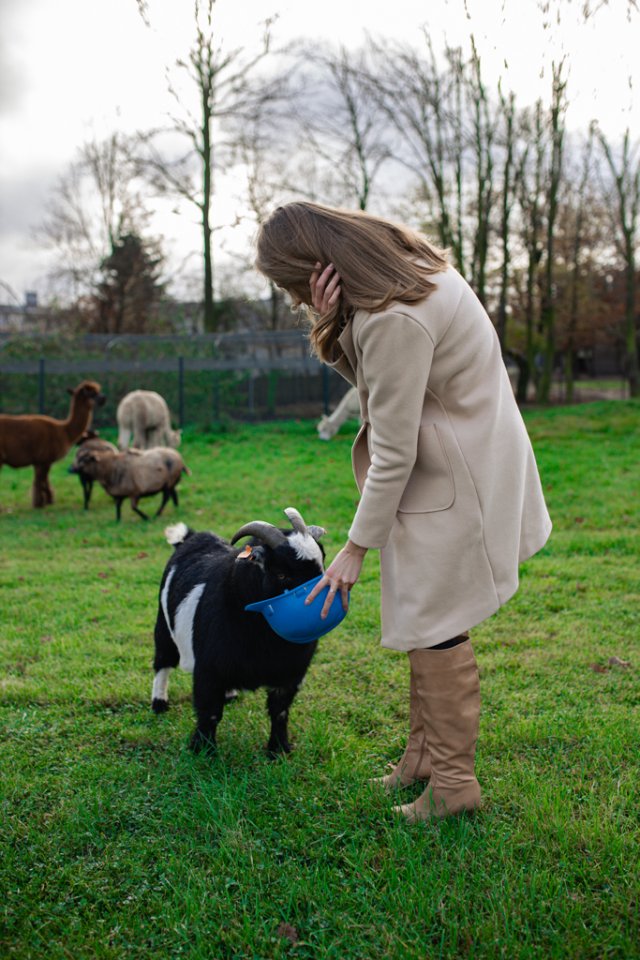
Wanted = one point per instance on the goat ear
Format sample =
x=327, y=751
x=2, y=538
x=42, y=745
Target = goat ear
x=316, y=532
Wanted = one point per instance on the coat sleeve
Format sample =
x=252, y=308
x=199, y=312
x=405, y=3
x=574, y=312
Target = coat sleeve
x=396, y=357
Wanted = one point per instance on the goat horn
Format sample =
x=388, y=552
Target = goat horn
x=295, y=519
x=272, y=536
x=300, y=526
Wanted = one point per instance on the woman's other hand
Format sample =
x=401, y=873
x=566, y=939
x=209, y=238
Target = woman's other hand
x=325, y=288
x=340, y=576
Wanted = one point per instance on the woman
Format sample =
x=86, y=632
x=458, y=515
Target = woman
x=450, y=492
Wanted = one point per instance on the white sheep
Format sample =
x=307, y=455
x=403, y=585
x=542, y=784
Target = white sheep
x=348, y=407
x=143, y=417
x=134, y=474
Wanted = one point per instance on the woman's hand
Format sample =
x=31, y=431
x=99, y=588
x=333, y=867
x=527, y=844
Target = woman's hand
x=340, y=576
x=325, y=288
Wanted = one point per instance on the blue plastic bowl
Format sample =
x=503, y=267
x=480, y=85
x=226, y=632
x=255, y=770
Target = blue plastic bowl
x=288, y=616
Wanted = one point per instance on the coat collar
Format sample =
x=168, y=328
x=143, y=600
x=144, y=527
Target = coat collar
x=345, y=363
x=346, y=343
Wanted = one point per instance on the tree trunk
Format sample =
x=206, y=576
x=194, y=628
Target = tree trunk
x=631, y=334
x=207, y=151
x=548, y=313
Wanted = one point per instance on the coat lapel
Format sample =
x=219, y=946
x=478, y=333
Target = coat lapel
x=347, y=364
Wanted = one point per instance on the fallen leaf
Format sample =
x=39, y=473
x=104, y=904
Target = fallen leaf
x=46, y=639
x=578, y=519
x=102, y=575
x=142, y=555
x=288, y=932
x=598, y=668
x=617, y=662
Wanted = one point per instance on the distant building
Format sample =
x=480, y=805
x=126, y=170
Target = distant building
x=25, y=318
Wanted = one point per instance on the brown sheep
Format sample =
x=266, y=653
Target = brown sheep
x=38, y=441
x=134, y=474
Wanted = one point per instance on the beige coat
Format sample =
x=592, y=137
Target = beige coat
x=449, y=486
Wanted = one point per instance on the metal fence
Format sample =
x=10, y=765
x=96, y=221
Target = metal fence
x=205, y=378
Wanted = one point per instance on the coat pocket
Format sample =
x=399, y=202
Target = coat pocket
x=430, y=486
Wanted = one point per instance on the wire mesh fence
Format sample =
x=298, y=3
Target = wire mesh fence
x=204, y=378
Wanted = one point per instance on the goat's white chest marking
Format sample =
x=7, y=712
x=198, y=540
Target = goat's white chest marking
x=182, y=628
x=306, y=547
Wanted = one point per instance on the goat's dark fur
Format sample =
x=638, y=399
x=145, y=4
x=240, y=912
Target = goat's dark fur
x=232, y=648
x=88, y=441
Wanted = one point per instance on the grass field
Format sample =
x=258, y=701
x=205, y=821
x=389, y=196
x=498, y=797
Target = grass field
x=118, y=843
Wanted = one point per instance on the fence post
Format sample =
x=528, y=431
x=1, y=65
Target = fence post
x=41, y=385
x=181, y=391
x=216, y=397
x=251, y=395
x=325, y=389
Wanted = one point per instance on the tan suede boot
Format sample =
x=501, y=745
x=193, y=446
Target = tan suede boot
x=415, y=763
x=449, y=692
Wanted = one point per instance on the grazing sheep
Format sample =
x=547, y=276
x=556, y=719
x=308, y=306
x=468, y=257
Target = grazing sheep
x=38, y=441
x=89, y=441
x=348, y=407
x=144, y=421
x=202, y=623
x=133, y=474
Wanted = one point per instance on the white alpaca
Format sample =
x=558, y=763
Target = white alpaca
x=144, y=420
x=349, y=407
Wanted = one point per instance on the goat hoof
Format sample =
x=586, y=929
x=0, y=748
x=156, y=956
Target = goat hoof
x=201, y=743
x=159, y=706
x=279, y=750
x=231, y=695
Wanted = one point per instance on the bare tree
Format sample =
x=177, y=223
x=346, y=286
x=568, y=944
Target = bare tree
x=483, y=126
x=554, y=178
x=622, y=199
x=342, y=123
x=93, y=203
x=185, y=162
x=422, y=104
x=580, y=203
x=529, y=175
x=507, y=198
x=257, y=146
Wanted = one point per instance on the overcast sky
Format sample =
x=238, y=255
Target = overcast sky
x=70, y=69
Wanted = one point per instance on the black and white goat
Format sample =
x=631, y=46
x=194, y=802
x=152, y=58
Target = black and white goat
x=202, y=624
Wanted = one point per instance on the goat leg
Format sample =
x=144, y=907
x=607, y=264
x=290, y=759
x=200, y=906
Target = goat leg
x=166, y=494
x=87, y=487
x=279, y=699
x=167, y=656
x=136, y=509
x=208, y=701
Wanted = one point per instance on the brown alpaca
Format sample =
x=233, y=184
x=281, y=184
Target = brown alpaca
x=38, y=441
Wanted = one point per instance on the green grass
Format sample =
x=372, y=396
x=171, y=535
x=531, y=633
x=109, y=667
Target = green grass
x=118, y=843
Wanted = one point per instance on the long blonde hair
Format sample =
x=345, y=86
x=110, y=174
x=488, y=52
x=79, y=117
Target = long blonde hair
x=379, y=262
